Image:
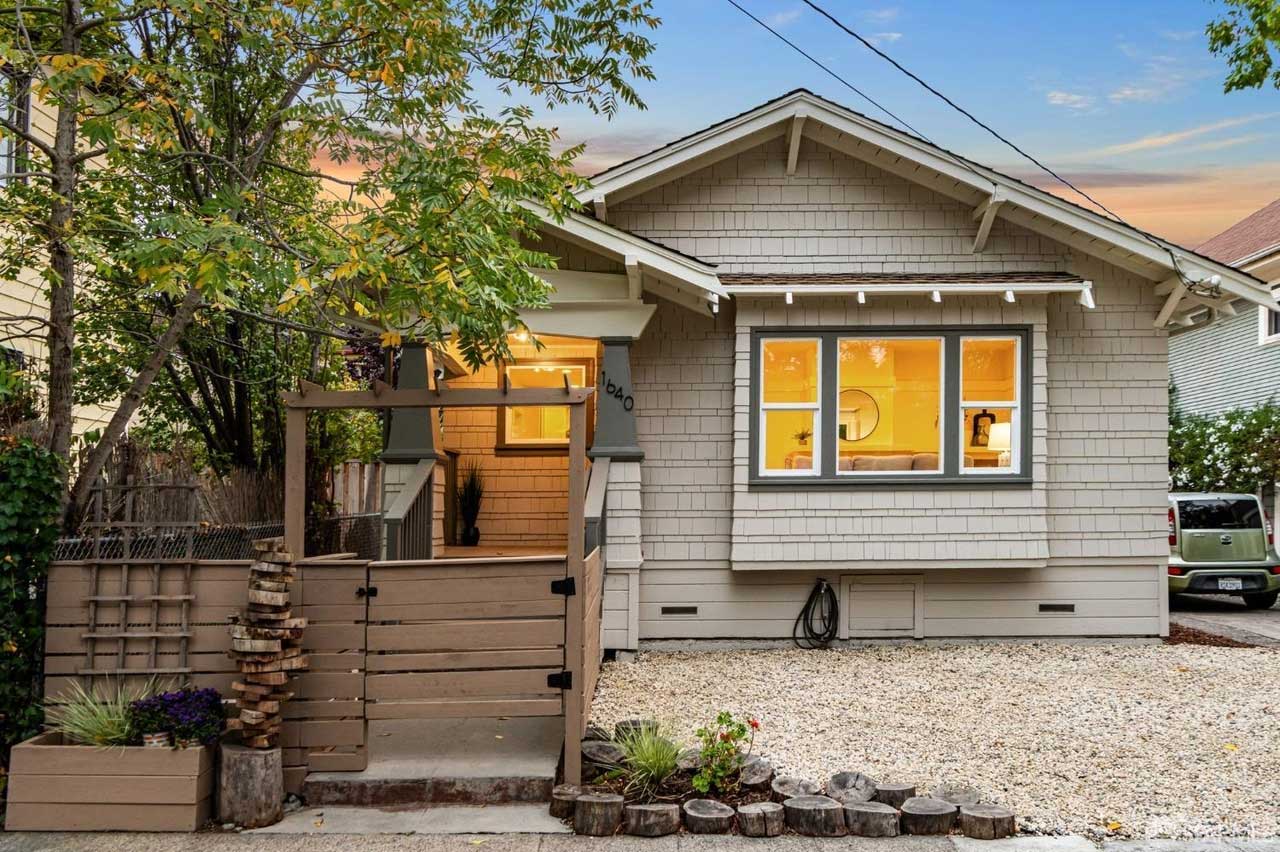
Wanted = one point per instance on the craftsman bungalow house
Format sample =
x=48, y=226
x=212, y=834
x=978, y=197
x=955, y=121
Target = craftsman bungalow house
x=822, y=347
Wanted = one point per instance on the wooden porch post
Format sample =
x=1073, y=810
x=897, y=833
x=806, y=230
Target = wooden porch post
x=295, y=481
x=575, y=699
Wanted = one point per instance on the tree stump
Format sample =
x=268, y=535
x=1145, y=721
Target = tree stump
x=894, y=794
x=871, y=819
x=251, y=786
x=599, y=756
x=707, y=816
x=846, y=787
x=595, y=732
x=652, y=820
x=630, y=727
x=815, y=816
x=690, y=760
x=562, y=798
x=597, y=814
x=785, y=787
x=957, y=794
x=756, y=774
x=925, y=815
x=761, y=819
x=987, y=822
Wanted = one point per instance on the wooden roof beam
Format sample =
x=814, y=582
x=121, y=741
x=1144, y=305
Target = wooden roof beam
x=985, y=214
x=793, y=142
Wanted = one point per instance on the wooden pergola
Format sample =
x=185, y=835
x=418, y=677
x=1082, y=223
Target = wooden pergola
x=312, y=397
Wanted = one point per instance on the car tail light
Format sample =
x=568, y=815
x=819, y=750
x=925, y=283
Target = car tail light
x=1173, y=530
x=1175, y=571
x=1271, y=531
x=1275, y=569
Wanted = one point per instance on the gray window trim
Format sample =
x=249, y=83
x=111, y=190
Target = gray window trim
x=950, y=476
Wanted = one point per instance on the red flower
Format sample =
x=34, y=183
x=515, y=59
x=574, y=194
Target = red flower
x=724, y=736
x=754, y=723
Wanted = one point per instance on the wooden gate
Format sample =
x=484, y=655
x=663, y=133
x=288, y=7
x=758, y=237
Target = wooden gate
x=466, y=637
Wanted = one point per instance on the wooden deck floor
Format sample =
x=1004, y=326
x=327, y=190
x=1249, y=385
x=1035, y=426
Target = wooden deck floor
x=495, y=551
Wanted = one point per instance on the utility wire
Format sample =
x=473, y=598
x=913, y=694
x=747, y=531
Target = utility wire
x=959, y=161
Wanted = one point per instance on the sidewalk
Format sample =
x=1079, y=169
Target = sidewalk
x=565, y=843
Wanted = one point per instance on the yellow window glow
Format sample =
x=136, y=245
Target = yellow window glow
x=989, y=369
x=790, y=371
x=541, y=424
x=890, y=394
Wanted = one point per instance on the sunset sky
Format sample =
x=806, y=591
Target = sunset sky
x=1124, y=98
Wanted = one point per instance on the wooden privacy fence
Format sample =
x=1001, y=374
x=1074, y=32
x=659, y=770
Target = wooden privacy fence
x=386, y=640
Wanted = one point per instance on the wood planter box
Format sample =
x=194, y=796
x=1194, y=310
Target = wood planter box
x=56, y=787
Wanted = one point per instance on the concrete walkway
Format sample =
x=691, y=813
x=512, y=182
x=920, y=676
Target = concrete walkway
x=1227, y=616
x=569, y=843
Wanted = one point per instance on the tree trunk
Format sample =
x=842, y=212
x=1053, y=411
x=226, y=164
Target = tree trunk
x=251, y=786
x=597, y=814
x=894, y=794
x=815, y=816
x=761, y=819
x=653, y=820
x=871, y=819
x=987, y=822
x=707, y=816
x=130, y=403
x=922, y=815
x=62, y=290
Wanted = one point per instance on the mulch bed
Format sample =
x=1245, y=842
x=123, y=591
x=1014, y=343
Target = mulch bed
x=1180, y=635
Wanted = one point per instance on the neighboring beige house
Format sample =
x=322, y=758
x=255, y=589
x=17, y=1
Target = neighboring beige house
x=825, y=348
x=26, y=296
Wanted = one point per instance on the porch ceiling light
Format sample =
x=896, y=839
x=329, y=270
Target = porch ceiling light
x=862, y=298
x=936, y=295
x=1008, y=295
x=789, y=297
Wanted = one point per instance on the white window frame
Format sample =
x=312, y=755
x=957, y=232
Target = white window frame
x=942, y=403
x=1265, y=337
x=1015, y=407
x=815, y=467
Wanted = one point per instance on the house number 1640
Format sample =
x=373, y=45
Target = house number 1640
x=616, y=391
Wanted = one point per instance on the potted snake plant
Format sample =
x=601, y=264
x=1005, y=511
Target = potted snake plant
x=470, y=493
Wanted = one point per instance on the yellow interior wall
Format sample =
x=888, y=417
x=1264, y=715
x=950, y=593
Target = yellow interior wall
x=906, y=387
x=525, y=495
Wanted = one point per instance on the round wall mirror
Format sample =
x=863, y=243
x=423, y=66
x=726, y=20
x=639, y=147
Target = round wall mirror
x=859, y=415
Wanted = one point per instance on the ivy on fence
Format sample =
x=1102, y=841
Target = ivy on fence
x=1238, y=450
x=30, y=486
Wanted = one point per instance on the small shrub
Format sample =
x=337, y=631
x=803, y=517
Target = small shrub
x=722, y=753
x=88, y=719
x=650, y=758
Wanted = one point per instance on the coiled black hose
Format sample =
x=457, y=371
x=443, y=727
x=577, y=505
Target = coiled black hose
x=818, y=622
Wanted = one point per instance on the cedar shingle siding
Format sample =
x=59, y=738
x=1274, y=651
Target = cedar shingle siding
x=1092, y=524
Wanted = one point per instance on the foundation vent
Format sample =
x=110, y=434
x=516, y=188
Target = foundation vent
x=1057, y=607
x=679, y=610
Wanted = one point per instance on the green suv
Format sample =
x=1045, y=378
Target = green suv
x=1221, y=544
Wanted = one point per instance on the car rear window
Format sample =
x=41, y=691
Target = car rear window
x=1220, y=514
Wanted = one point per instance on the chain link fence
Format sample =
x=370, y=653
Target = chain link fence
x=359, y=534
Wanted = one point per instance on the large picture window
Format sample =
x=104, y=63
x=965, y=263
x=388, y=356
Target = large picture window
x=849, y=406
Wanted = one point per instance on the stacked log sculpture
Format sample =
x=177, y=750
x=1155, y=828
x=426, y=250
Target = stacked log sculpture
x=266, y=643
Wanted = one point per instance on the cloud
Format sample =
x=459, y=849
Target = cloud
x=1165, y=140
x=1179, y=35
x=616, y=145
x=1102, y=177
x=1187, y=207
x=884, y=38
x=881, y=16
x=781, y=19
x=1162, y=76
x=1070, y=100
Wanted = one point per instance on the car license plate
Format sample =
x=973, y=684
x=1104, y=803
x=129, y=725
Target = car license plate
x=1230, y=584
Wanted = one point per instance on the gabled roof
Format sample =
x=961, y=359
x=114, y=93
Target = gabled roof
x=840, y=128
x=1250, y=239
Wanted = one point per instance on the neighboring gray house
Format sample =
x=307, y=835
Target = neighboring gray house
x=826, y=348
x=1231, y=359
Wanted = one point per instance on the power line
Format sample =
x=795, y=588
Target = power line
x=876, y=50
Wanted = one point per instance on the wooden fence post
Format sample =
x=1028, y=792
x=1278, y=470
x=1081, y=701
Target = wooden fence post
x=295, y=481
x=575, y=699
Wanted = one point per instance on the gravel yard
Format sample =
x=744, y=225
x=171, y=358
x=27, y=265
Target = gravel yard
x=1105, y=740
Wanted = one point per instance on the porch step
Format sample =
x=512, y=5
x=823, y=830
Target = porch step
x=453, y=761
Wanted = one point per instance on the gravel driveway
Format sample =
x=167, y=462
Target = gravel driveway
x=1104, y=740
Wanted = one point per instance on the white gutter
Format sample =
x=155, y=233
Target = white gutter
x=1084, y=289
